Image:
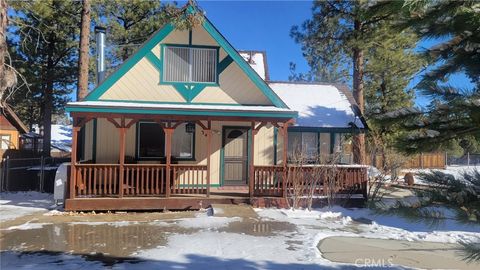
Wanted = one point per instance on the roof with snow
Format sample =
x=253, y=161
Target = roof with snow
x=258, y=61
x=319, y=105
x=61, y=137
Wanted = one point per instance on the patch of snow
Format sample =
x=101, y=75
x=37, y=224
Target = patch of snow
x=55, y=213
x=256, y=60
x=110, y=223
x=205, y=221
x=16, y=204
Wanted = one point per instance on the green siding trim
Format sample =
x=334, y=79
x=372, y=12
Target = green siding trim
x=129, y=63
x=259, y=82
x=189, y=91
x=224, y=63
x=153, y=59
x=181, y=112
x=326, y=129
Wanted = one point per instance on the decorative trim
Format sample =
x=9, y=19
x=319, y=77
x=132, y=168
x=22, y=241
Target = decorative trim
x=256, y=79
x=153, y=59
x=182, y=112
x=168, y=102
x=224, y=63
x=129, y=63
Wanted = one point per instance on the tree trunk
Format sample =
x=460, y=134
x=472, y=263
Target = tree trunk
x=48, y=98
x=358, y=70
x=82, y=90
x=3, y=44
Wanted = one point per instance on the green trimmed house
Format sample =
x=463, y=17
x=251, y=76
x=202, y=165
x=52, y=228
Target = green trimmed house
x=188, y=120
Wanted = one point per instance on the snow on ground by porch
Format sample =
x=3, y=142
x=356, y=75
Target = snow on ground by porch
x=456, y=171
x=17, y=204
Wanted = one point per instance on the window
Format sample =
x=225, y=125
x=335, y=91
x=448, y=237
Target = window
x=151, y=142
x=190, y=64
x=4, y=141
x=303, y=145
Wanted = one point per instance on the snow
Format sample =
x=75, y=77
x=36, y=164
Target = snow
x=61, y=136
x=27, y=226
x=16, y=204
x=193, y=107
x=204, y=220
x=318, y=105
x=257, y=61
x=456, y=171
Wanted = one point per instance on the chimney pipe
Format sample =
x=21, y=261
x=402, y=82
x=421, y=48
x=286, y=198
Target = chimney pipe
x=100, y=40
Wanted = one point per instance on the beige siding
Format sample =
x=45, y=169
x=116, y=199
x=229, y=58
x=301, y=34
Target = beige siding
x=88, y=147
x=142, y=81
x=108, y=142
x=237, y=87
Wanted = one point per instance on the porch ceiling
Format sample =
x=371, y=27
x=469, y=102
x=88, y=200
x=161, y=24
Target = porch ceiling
x=180, y=109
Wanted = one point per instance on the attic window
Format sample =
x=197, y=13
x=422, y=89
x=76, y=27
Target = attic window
x=190, y=64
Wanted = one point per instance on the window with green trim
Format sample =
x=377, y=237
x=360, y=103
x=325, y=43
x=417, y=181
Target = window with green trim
x=190, y=64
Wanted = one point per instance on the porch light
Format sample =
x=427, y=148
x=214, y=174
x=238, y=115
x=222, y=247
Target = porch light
x=190, y=128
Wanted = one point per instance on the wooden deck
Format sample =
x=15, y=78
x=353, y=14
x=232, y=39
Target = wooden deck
x=145, y=186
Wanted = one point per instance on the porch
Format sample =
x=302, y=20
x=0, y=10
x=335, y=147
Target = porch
x=167, y=183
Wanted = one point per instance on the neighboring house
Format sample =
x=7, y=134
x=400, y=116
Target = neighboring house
x=11, y=127
x=187, y=116
x=61, y=140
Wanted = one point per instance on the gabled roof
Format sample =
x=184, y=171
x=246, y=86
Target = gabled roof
x=145, y=52
x=13, y=118
x=320, y=105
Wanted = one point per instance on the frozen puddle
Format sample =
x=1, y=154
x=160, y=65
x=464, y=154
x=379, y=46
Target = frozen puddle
x=385, y=253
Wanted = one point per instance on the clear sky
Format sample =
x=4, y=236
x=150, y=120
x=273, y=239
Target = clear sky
x=265, y=25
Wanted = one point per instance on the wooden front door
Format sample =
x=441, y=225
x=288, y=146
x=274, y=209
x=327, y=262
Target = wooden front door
x=235, y=156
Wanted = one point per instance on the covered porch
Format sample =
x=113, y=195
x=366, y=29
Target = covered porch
x=168, y=182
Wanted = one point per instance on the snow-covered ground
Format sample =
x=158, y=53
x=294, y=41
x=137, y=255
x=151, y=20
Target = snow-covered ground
x=274, y=239
x=17, y=204
x=456, y=171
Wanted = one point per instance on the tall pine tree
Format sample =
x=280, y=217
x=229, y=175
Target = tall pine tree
x=452, y=119
x=336, y=39
x=47, y=58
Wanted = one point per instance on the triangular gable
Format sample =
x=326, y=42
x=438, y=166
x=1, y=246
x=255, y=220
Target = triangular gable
x=145, y=60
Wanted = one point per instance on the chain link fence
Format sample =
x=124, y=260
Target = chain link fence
x=29, y=174
x=465, y=160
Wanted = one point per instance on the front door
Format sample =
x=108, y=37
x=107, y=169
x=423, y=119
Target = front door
x=235, y=157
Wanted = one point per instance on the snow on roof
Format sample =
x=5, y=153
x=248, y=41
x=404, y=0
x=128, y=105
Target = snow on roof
x=318, y=105
x=257, y=60
x=192, y=107
x=62, y=137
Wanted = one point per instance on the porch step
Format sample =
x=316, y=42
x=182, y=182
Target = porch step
x=233, y=210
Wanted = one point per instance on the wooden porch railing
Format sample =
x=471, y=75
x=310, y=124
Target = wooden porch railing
x=97, y=180
x=268, y=180
x=189, y=179
x=144, y=179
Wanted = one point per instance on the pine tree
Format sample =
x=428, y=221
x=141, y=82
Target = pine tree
x=47, y=58
x=338, y=38
x=452, y=119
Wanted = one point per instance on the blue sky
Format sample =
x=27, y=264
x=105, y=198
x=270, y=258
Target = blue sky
x=265, y=25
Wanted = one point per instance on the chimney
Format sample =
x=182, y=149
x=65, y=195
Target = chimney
x=100, y=40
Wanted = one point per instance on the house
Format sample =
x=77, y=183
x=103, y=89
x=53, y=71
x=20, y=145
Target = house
x=11, y=127
x=60, y=140
x=186, y=121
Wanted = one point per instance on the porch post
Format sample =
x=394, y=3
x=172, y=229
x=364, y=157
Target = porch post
x=122, y=131
x=168, y=152
x=285, y=159
x=251, y=177
x=73, y=170
x=209, y=153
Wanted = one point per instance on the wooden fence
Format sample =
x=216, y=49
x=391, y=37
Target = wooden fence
x=420, y=161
